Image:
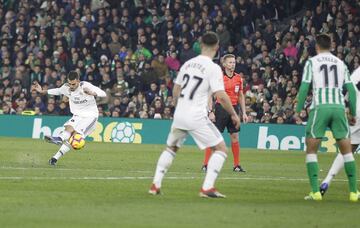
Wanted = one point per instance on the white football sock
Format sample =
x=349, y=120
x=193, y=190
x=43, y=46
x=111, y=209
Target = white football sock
x=65, y=147
x=215, y=164
x=336, y=166
x=312, y=157
x=164, y=163
x=348, y=157
x=65, y=135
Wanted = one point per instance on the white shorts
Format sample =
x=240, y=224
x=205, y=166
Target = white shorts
x=82, y=125
x=355, y=132
x=207, y=135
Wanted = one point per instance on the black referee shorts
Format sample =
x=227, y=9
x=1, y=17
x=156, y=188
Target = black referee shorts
x=223, y=119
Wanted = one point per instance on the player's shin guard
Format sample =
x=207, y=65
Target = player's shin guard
x=336, y=166
x=313, y=171
x=65, y=147
x=214, y=167
x=235, y=148
x=207, y=155
x=350, y=169
x=65, y=135
x=164, y=163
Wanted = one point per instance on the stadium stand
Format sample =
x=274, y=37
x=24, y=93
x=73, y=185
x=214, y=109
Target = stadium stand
x=134, y=49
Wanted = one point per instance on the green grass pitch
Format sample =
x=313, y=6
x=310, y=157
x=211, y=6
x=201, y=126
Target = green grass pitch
x=105, y=185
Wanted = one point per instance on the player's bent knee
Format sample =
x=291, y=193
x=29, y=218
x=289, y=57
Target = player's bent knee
x=234, y=137
x=312, y=145
x=344, y=145
x=69, y=128
x=221, y=147
x=173, y=148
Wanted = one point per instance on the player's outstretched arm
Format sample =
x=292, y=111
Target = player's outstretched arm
x=37, y=87
x=94, y=90
x=226, y=103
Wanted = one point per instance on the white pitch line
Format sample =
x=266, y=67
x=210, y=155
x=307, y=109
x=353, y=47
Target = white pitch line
x=149, y=178
x=100, y=170
x=247, y=177
x=53, y=168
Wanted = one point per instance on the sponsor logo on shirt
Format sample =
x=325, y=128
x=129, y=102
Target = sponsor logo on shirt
x=80, y=102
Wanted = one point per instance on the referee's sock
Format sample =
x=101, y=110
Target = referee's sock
x=235, y=147
x=207, y=156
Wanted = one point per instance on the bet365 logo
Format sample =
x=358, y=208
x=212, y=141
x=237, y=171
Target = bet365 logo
x=118, y=132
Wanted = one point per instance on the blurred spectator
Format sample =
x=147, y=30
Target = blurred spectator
x=134, y=52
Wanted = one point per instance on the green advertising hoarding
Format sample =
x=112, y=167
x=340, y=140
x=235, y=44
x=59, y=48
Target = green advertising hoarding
x=149, y=131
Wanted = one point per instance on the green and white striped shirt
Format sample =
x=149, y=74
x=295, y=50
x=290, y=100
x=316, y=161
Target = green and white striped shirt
x=328, y=74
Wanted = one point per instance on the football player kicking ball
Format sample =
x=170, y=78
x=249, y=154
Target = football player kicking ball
x=327, y=74
x=83, y=107
x=198, y=78
x=234, y=88
x=338, y=163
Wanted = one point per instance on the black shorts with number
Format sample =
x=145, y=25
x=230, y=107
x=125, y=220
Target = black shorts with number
x=223, y=119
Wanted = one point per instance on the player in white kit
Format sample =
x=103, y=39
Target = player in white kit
x=83, y=106
x=198, y=78
x=338, y=163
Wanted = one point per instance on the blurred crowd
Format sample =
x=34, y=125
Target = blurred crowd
x=133, y=50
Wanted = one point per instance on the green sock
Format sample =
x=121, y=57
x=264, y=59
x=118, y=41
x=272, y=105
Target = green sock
x=350, y=169
x=313, y=170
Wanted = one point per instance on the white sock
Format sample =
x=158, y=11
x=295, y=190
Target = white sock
x=62, y=151
x=163, y=164
x=215, y=164
x=349, y=157
x=65, y=135
x=311, y=158
x=336, y=166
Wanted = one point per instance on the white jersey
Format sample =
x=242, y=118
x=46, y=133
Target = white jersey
x=81, y=104
x=199, y=77
x=328, y=74
x=355, y=78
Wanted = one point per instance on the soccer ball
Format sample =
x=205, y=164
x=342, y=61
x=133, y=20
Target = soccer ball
x=123, y=132
x=77, y=141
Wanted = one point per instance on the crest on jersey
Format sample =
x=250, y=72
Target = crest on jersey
x=237, y=88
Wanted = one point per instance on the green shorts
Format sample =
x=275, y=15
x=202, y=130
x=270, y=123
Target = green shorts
x=327, y=117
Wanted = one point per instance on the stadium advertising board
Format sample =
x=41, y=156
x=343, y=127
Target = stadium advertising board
x=146, y=131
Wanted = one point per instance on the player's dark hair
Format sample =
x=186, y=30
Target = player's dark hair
x=73, y=75
x=210, y=39
x=323, y=41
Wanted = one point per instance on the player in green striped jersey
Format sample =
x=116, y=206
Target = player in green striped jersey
x=328, y=75
x=338, y=163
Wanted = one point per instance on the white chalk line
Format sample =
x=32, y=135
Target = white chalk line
x=52, y=168
x=247, y=177
x=86, y=170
